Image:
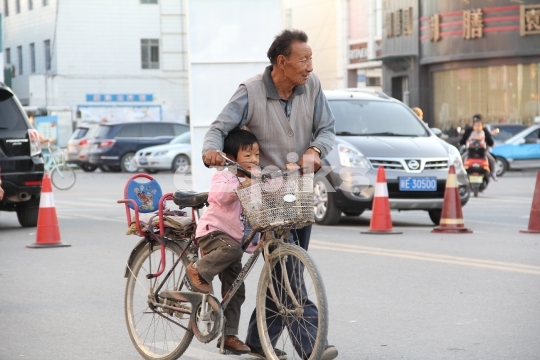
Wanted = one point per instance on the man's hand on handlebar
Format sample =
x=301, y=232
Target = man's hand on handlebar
x=310, y=161
x=212, y=158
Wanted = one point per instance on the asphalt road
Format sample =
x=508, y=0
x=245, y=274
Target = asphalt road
x=412, y=296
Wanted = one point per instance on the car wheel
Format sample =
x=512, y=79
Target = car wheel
x=325, y=211
x=28, y=214
x=128, y=164
x=104, y=168
x=181, y=164
x=435, y=215
x=151, y=171
x=501, y=166
x=354, y=213
x=88, y=167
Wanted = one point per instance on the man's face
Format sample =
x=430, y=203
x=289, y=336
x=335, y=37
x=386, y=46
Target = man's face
x=298, y=65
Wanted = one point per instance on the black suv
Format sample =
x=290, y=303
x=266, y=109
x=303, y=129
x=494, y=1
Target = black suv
x=115, y=144
x=21, y=164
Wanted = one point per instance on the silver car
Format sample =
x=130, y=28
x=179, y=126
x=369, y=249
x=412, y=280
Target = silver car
x=374, y=130
x=175, y=156
x=79, y=145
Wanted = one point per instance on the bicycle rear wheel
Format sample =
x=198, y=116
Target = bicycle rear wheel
x=63, y=177
x=297, y=323
x=155, y=331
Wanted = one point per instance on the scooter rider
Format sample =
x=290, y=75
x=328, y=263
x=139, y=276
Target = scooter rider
x=477, y=122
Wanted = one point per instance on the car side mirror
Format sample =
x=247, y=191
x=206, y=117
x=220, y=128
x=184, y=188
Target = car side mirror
x=437, y=132
x=521, y=141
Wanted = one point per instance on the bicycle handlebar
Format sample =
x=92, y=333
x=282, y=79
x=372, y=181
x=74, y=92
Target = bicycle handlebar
x=263, y=177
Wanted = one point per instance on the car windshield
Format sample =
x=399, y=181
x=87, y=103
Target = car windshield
x=181, y=139
x=519, y=135
x=11, y=117
x=375, y=118
x=102, y=132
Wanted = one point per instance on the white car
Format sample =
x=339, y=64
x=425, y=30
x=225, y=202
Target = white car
x=175, y=156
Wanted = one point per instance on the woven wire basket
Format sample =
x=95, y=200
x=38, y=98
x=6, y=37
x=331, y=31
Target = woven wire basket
x=281, y=201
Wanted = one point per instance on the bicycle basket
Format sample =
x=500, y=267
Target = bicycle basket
x=281, y=201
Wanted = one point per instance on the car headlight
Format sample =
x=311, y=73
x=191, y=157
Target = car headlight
x=454, y=158
x=160, y=153
x=350, y=157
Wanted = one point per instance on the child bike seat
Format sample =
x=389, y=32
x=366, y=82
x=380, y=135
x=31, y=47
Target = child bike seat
x=190, y=199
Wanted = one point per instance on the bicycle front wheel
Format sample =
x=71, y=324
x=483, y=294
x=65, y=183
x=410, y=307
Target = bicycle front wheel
x=292, y=310
x=63, y=177
x=156, y=332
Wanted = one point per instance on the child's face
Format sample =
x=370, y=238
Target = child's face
x=248, y=157
x=477, y=126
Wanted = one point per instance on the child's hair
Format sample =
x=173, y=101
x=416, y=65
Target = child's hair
x=238, y=140
x=477, y=118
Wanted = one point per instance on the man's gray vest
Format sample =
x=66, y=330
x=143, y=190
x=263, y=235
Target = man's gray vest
x=281, y=141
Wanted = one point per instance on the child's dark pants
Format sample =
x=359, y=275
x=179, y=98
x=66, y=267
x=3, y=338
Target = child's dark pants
x=223, y=257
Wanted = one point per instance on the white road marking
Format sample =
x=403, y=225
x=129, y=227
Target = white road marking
x=415, y=255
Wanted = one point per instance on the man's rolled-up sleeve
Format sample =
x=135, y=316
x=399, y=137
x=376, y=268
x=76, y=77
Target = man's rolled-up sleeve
x=324, y=132
x=233, y=116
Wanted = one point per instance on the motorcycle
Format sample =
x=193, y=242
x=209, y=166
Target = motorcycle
x=477, y=166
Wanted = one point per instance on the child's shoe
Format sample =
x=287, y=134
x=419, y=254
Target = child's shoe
x=197, y=281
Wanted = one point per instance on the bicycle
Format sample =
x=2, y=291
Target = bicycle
x=62, y=175
x=163, y=314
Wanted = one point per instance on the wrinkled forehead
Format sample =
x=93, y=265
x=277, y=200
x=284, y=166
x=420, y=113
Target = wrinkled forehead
x=300, y=50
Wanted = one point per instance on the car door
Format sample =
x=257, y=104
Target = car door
x=526, y=152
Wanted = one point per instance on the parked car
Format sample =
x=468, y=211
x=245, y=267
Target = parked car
x=79, y=145
x=115, y=144
x=21, y=163
x=375, y=130
x=521, y=151
x=503, y=132
x=175, y=156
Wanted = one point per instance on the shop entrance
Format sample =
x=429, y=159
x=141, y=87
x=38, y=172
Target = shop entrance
x=400, y=89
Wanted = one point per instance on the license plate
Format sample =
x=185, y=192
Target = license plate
x=143, y=161
x=417, y=184
x=476, y=179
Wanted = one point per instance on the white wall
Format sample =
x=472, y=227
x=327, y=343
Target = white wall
x=228, y=41
x=98, y=50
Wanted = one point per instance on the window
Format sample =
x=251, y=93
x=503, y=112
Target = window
x=157, y=130
x=45, y=2
x=6, y=8
x=373, y=81
x=8, y=56
x=20, y=58
x=17, y=6
x=32, y=58
x=47, y=46
x=148, y=1
x=30, y=4
x=150, y=53
x=129, y=130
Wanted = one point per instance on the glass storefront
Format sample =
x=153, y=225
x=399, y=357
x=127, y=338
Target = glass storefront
x=506, y=94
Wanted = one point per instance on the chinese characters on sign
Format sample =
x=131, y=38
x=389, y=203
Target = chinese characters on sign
x=473, y=24
x=434, y=28
x=529, y=20
x=399, y=23
x=119, y=97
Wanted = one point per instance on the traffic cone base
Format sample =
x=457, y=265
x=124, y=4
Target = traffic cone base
x=47, y=232
x=534, y=218
x=381, y=220
x=451, y=217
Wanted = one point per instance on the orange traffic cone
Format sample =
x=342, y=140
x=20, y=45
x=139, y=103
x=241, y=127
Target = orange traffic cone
x=381, y=220
x=534, y=218
x=48, y=233
x=452, y=216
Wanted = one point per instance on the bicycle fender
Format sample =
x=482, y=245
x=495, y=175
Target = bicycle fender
x=141, y=244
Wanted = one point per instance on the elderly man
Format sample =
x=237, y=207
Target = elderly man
x=287, y=111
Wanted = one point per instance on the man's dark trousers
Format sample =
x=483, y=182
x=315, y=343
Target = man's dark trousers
x=302, y=335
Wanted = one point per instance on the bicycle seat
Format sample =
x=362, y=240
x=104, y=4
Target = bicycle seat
x=190, y=198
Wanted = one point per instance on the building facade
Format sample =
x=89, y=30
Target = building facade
x=454, y=59
x=113, y=60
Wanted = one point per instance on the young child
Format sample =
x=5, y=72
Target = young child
x=220, y=232
x=477, y=131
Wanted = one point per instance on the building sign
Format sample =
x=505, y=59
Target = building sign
x=529, y=20
x=399, y=23
x=119, y=97
x=473, y=24
x=359, y=53
x=434, y=28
